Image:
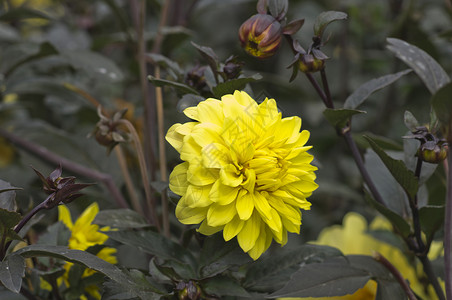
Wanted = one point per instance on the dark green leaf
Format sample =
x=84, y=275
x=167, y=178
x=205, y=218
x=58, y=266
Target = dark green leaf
x=7, y=196
x=368, y=88
x=382, y=141
x=175, y=270
x=209, y=55
x=398, y=221
x=410, y=120
x=153, y=243
x=325, y=18
x=120, y=218
x=12, y=269
x=431, y=218
x=188, y=100
x=389, y=290
x=442, y=103
x=388, y=237
x=57, y=235
x=179, y=86
x=94, y=64
x=293, y=27
x=278, y=8
x=90, y=261
x=430, y=72
x=273, y=271
x=221, y=286
x=330, y=278
x=8, y=219
x=230, y=86
x=167, y=63
x=23, y=13
x=404, y=177
x=338, y=118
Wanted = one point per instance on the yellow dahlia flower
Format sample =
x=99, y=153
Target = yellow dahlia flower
x=84, y=235
x=351, y=238
x=246, y=171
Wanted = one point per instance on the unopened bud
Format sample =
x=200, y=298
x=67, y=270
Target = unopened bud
x=308, y=63
x=260, y=35
x=432, y=152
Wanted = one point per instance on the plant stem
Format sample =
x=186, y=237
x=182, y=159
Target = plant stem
x=448, y=231
x=135, y=201
x=326, y=88
x=387, y=264
x=144, y=173
x=360, y=163
x=74, y=167
x=318, y=89
x=428, y=270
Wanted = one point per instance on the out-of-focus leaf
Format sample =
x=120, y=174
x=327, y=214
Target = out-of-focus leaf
x=410, y=120
x=188, y=100
x=430, y=72
x=222, y=286
x=293, y=27
x=8, y=196
x=90, y=261
x=327, y=279
x=168, y=64
x=442, y=103
x=94, y=64
x=45, y=49
x=23, y=13
x=230, y=86
x=57, y=235
x=278, y=8
x=120, y=218
x=370, y=87
x=395, y=219
x=382, y=141
x=273, y=271
x=431, y=218
x=398, y=169
x=153, y=243
x=12, y=269
x=179, y=86
x=159, y=186
x=338, y=118
x=8, y=219
x=325, y=18
x=8, y=33
x=209, y=55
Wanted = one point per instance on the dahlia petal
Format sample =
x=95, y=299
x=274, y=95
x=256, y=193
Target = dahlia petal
x=275, y=225
x=64, y=216
x=188, y=215
x=250, y=232
x=178, y=182
x=262, y=243
x=219, y=215
x=250, y=183
x=243, y=98
x=230, y=176
x=198, y=196
x=174, y=138
x=222, y=194
x=244, y=204
x=290, y=129
x=198, y=175
x=210, y=111
x=215, y=155
x=286, y=211
x=206, y=133
x=232, y=228
x=268, y=111
x=208, y=230
x=190, y=150
x=262, y=206
x=192, y=112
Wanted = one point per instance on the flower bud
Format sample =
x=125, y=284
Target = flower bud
x=308, y=63
x=260, y=35
x=188, y=291
x=196, y=78
x=432, y=152
x=232, y=68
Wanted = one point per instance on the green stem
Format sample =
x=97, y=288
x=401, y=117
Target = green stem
x=448, y=231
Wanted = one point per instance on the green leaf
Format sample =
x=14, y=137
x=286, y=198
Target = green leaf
x=188, y=100
x=8, y=219
x=338, y=118
x=382, y=141
x=430, y=72
x=8, y=196
x=398, y=221
x=167, y=64
x=45, y=49
x=12, y=269
x=410, y=120
x=179, y=86
x=222, y=286
x=278, y=8
x=273, y=271
x=327, y=279
x=57, y=235
x=368, y=88
x=90, y=261
x=325, y=18
x=431, y=218
x=232, y=85
x=208, y=54
x=94, y=64
x=152, y=243
x=120, y=218
x=23, y=13
x=442, y=103
x=404, y=177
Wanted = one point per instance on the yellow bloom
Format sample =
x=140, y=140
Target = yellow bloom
x=351, y=238
x=246, y=171
x=84, y=235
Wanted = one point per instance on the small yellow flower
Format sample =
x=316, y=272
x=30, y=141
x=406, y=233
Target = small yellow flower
x=84, y=235
x=246, y=171
x=351, y=238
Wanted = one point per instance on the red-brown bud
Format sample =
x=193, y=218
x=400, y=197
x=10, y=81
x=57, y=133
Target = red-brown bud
x=308, y=63
x=432, y=152
x=260, y=35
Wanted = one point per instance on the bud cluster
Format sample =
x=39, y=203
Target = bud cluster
x=432, y=149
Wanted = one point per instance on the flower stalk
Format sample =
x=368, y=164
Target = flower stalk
x=448, y=231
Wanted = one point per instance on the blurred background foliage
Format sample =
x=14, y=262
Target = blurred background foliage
x=57, y=55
